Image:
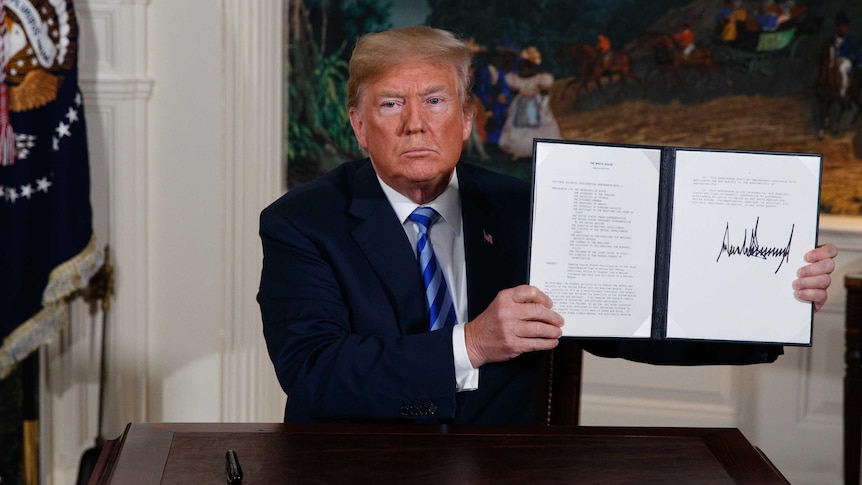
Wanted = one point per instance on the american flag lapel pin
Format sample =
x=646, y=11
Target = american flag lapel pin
x=487, y=237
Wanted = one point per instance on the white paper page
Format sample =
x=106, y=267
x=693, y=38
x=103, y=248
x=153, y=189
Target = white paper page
x=593, y=236
x=742, y=223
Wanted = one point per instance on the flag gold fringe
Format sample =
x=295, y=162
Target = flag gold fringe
x=66, y=279
x=74, y=274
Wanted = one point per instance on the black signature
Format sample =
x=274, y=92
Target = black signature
x=752, y=249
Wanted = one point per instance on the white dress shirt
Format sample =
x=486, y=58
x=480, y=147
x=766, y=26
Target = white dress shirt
x=447, y=240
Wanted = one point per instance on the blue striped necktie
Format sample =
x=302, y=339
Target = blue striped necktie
x=436, y=292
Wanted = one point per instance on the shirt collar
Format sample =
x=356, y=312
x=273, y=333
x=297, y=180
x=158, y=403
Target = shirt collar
x=447, y=204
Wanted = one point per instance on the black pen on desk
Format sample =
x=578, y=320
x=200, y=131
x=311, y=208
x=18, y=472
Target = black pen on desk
x=232, y=468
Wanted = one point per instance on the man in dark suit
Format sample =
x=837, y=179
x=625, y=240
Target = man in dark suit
x=342, y=296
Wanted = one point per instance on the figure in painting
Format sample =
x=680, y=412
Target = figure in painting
x=608, y=62
x=732, y=17
x=603, y=47
x=837, y=87
x=767, y=16
x=492, y=90
x=847, y=52
x=788, y=11
x=475, y=144
x=685, y=40
x=529, y=115
x=678, y=49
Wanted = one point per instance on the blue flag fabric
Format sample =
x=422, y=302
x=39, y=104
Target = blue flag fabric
x=47, y=246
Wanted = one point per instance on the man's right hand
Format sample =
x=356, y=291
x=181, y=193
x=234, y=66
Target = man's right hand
x=519, y=320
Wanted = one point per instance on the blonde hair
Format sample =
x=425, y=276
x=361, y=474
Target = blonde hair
x=376, y=54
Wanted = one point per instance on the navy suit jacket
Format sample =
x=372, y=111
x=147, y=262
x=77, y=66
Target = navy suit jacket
x=344, y=311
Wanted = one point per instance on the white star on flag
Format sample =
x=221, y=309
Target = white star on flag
x=26, y=190
x=43, y=184
x=63, y=130
x=11, y=195
x=72, y=114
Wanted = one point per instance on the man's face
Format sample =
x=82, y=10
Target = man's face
x=413, y=125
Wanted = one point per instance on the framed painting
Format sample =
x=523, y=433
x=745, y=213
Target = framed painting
x=744, y=75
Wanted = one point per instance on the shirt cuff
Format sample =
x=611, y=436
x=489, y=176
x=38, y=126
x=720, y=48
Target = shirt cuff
x=466, y=377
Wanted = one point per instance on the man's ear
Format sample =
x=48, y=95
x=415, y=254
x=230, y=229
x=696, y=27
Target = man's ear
x=358, y=127
x=469, y=112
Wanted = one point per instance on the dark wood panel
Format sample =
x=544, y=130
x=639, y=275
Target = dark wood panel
x=853, y=379
x=435, y=454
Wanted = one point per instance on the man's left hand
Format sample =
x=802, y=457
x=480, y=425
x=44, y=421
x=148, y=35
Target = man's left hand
x=813, y=279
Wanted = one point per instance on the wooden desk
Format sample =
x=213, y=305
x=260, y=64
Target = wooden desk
x=279, y=453
x=853, y=378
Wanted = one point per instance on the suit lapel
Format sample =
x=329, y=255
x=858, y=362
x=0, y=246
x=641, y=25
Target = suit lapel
x=484, y=242
x=394, y=263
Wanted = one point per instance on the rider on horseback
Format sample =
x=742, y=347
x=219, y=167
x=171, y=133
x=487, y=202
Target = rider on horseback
x=603, y=46
x=685, y=40
x=847, y=51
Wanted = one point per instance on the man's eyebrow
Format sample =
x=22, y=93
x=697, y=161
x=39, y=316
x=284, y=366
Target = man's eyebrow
x=434, y=89
x=439, y=88
x=390, y=94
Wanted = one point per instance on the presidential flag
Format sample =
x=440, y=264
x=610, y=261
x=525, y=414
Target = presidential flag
x=47, y=247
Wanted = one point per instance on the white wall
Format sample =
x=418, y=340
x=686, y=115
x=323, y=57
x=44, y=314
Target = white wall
x=183, y=102
x=186, y=188
x=184, y=107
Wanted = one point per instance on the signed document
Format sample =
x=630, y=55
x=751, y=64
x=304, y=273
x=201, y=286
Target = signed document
x=674, y=243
